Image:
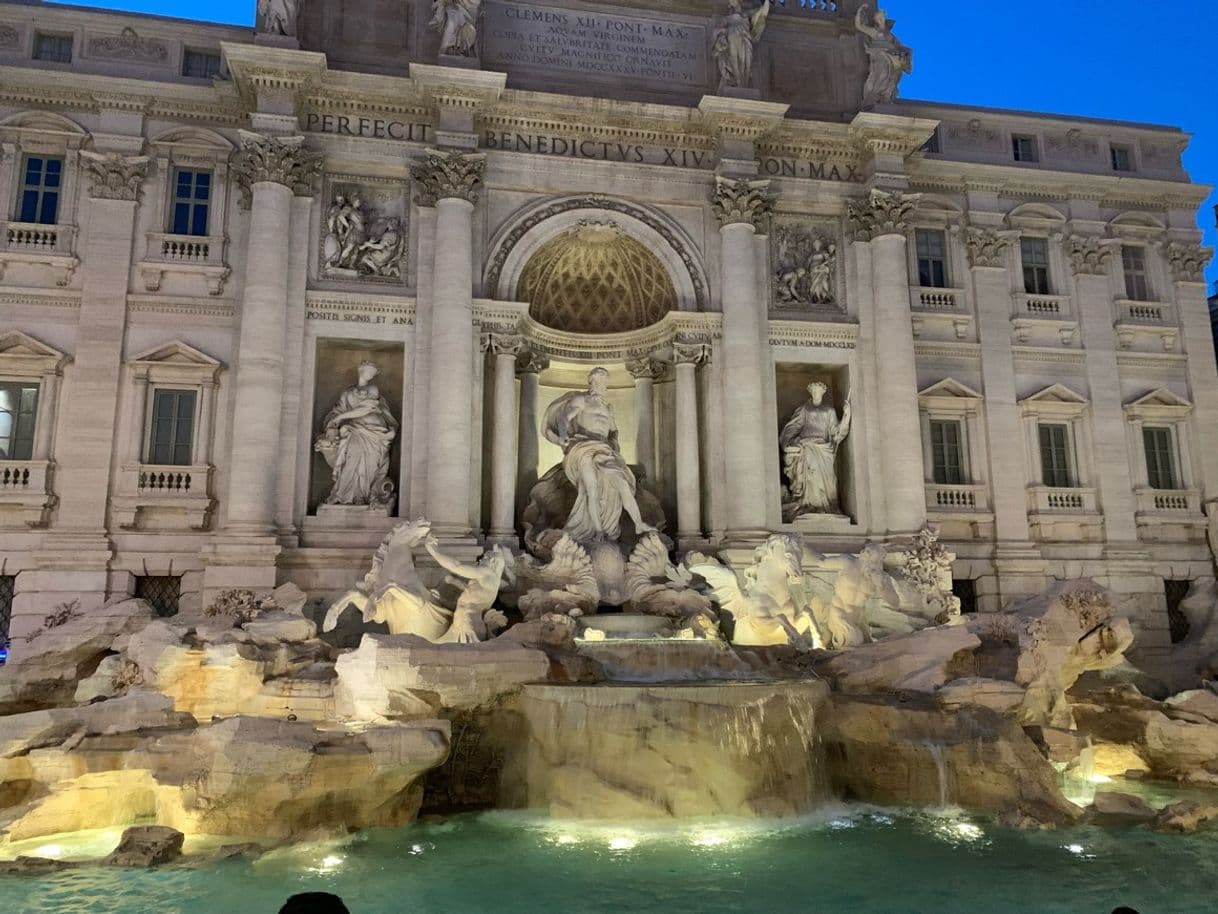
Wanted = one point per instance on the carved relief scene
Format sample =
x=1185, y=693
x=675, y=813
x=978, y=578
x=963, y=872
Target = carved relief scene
x=364, y=231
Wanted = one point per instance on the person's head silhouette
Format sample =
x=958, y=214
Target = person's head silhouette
x=1124, y=910
x=314, y=903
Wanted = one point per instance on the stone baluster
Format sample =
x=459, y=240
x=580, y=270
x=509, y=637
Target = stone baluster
x=451, y=182
x=882, y=221
x=645, y=371
x=269, y=171
x=741, y=207
x=687, y=356
x=504, y=348
x=529, y=366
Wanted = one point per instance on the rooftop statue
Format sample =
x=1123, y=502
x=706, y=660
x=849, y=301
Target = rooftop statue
x=355, y=440
x=278, y=17
x=457, y=23
x=735, y=41
x=890, y=59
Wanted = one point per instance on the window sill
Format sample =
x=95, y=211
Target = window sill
x=25, y=489
x=51, y=246
x=190, y=255
x=181, y=492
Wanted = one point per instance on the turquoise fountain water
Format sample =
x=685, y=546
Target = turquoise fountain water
x=845, y=860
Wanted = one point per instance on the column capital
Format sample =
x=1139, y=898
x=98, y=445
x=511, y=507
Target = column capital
x=1188, y=261
x=279, y=160
x=882, y=213
x=530, y=361
x=1090, y=255
x=691, y=351
x=503, y=344
x=448, y=175
x=114, y=176
x=988, y=247
x=646, y=368
x=742, y=202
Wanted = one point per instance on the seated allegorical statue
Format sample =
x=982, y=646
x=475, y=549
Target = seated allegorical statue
x=809, y=442
x=355, y=441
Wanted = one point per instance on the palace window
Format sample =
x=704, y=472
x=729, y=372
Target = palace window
x=162, y=592
x=932, y=258
x=947, y=452
x=53, y=48
x=1159, y=443
x=1055, y=464
x=41, y=183
x=200, y=64
x=171, y=435
x=18, y=412
x=1137, y=282
x=1122, y=158
x=1024, y=149
x=191, y=201
x=1035, y=255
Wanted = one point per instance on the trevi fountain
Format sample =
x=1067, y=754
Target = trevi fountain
x=671, y=590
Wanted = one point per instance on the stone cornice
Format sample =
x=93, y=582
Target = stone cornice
x=885, y=133
x=258, y=70
x=455, y=87
x=740, y=119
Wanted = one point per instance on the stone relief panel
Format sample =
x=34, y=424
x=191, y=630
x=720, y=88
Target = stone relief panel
x=974, y=135
x=805, y=267
x=128, y=46
x=1074, y=144
x=10, y=37
x=363, y=230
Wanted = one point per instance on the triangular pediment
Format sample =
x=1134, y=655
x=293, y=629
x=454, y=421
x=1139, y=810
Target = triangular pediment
x=1056, y=393
x=950, y=387
x=1159, y=397
x=15, y=344
x=177, y=353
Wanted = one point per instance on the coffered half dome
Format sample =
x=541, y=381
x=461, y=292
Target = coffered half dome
x=595, y=278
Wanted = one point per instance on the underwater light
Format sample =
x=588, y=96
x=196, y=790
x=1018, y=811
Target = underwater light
x=50, y=851
x=708, y=839
x=623, y=843
x=331, y=862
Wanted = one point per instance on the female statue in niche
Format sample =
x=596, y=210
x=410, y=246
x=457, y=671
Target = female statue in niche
x=809, y=443
x=355, y=442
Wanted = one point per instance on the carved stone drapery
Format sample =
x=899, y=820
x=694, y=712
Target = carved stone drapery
x=988, y=247
x=882, y=213
x=646, y=367
x=1188, y=261
x=114, y=176
x=530, y=361
x=280, y=160
x=742, y=202
x=503, y=344
x=1089, y=255
x=445, y=175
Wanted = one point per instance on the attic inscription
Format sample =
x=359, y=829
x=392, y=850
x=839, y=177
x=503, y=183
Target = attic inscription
x=594, y=43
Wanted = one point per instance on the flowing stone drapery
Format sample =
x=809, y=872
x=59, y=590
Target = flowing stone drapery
x=450, y=182
x=687, y=356
x=269, y=172
x=741, y=207
x=645, y=371
x=529, y=366
x=882, y=221
x=504, y=348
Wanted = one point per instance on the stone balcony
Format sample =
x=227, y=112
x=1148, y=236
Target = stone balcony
x=940, y=306
x=1040, y=313
x=187, y=255
x=958, y=498
x=1065, y=514
x=25, y=491
x=1170, y=515
x=179, y=495
x=51, y=246
x=1137, y=319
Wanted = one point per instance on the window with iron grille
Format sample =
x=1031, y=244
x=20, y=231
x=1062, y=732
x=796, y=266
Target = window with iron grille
x=932, y=258
x=1035, y=255
x=41, y=181
x=965, y=590
x=1122, y=158
x=1177, y=621
x=171, y=437
x=191, y=201
x=55, y=48
x=1137, y=282
x=1160, y=458
x=947, y=452
x=1055, y=455
x=162, y=593
x=18, y=411
x=8, y=587
x=200, y=64
x=1023, y=148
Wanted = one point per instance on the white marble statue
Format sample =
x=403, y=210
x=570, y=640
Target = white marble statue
x=278, y=17
x=393, y=593
x=345, y=233
x=736, y=40
x=355, y=441
x=457, y=23
x=810, y=441
x=381, y=255
x=582, y=424
x=890, y=59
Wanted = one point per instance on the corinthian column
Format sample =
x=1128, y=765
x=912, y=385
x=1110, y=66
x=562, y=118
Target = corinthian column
x=268, y=171
x=740, y=208
x=505, y=349
x=529, y=367
x=645, y=371
x=882, y=221
x=451, y=181
x=688, y=356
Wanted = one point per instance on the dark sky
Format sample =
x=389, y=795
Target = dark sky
x=1122, y=59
